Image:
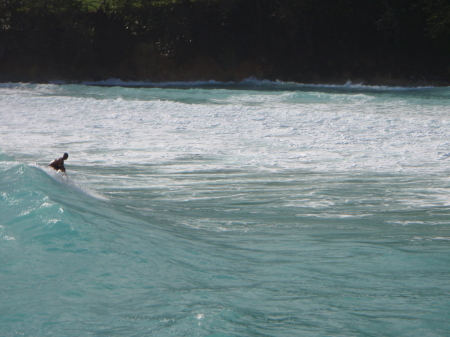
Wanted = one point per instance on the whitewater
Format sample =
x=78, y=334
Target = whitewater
x=224, y=209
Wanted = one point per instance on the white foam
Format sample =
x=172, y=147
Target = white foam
x=310, y=129
x=64, y=178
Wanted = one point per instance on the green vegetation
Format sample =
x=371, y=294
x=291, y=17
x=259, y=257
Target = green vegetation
x=300, y=40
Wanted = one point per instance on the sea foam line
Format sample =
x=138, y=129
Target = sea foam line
x=246, y=83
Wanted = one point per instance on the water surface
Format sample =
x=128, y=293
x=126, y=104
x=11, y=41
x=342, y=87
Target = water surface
x=223, y=209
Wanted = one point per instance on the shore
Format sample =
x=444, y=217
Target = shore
x=153, y=71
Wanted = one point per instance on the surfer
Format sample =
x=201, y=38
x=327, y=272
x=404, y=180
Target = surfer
x=58, y=164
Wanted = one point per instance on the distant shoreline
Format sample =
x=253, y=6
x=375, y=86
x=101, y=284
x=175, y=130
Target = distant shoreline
x=156, y=69
x=201, y=82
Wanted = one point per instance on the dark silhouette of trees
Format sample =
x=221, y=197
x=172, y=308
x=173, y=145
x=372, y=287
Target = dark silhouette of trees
x=300, y=40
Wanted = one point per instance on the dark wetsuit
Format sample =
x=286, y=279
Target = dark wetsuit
x=58, y=164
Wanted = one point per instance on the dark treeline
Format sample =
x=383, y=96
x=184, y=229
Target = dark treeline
x=374, y=41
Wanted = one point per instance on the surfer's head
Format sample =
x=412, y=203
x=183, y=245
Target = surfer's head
x=65, y=156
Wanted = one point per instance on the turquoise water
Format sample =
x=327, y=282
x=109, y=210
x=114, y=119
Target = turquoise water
x=210, y=209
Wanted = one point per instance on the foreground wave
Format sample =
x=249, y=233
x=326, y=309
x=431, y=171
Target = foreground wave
x=73, y=264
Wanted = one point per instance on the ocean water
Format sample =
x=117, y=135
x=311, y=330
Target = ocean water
x=224, y=209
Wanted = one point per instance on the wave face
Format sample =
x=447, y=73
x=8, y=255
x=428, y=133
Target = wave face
x=264, y=209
